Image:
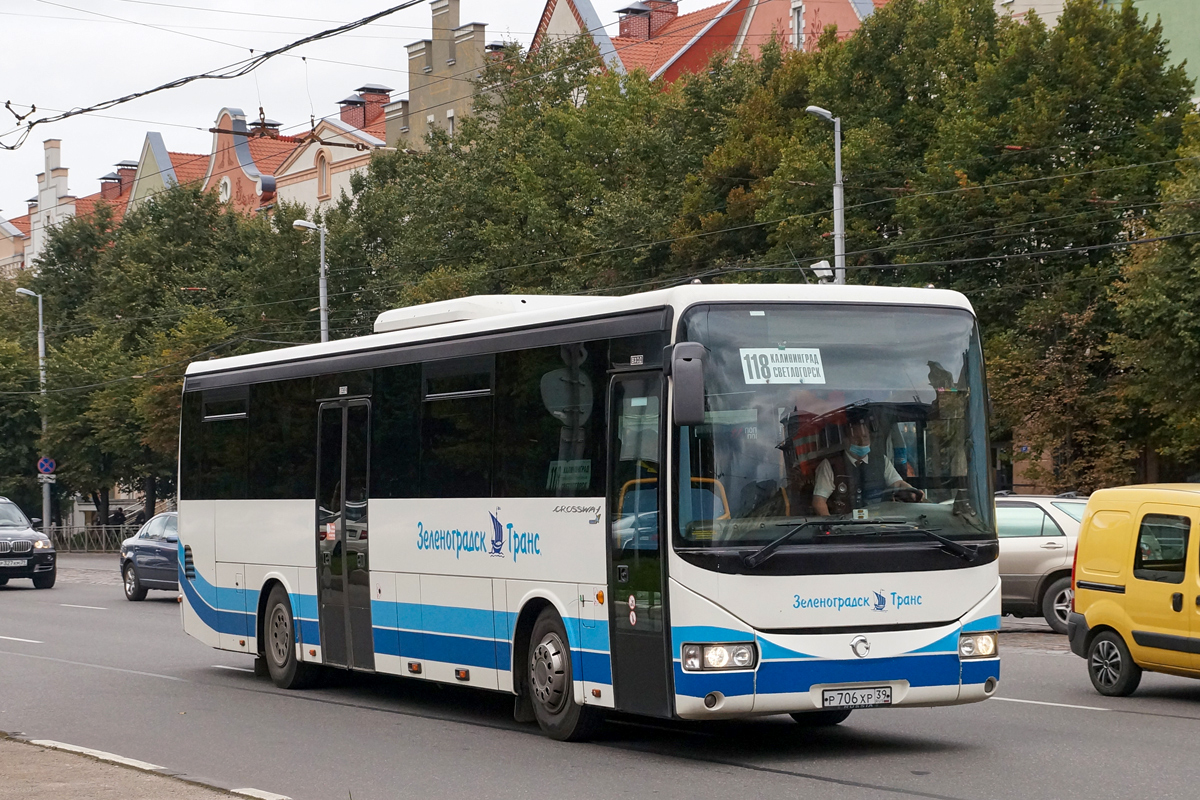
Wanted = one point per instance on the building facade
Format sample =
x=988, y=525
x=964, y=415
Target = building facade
x=441, y=78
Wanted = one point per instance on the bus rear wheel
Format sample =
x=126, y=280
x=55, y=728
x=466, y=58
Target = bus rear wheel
x=279, y=643
x=821, y=719
x=551, y=685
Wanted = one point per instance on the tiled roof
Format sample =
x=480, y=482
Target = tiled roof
x=377, y=129
x=651, y=54
x=87, y=205
x=269, y=153
x=21, y=223
x=188, y=167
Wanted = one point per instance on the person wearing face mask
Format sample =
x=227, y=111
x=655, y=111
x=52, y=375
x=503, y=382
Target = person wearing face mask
x=854, y=479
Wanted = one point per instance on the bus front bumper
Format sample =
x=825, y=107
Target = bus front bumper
x=796, y=674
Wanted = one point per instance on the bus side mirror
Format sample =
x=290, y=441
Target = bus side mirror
x=687, y=374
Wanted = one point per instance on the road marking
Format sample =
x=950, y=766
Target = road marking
x=1056, y=705
x=236, y=669
x=260, y=794
x=72, y=605
x=15, y=639
x=93, y=666
x=100, y=754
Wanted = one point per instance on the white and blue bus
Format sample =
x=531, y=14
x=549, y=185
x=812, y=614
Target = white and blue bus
x=697, y=503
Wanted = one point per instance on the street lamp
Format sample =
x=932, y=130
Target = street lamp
x=42, y=371
x=305, y=225
x=839, y=210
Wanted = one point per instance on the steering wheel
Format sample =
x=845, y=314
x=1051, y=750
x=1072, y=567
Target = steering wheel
x=903, y=494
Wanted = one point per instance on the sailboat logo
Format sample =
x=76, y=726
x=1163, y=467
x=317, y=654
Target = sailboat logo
x=880, y=602
x=496, y=545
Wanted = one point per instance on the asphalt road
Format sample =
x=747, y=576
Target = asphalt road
x=98, y=671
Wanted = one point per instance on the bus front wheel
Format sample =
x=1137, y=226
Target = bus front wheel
x=279, y=635
x=551, y=684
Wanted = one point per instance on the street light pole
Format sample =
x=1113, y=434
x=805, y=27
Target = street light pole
x=42, y=375
x=303, y=224
x=839, y=203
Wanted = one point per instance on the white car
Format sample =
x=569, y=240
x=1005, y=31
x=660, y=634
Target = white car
x=1037, y=545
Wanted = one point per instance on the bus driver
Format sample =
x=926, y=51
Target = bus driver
x=851, y=479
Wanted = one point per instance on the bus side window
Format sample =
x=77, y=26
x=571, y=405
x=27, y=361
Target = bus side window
x=396, y=432
x=549, y=421
x=456, y=428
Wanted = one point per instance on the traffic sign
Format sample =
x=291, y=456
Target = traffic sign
x=43, y=478
x=46, y=466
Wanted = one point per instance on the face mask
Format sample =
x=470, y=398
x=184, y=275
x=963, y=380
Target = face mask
x=860, y=450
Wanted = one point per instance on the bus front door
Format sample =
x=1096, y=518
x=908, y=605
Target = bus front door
x=343, y=566
x=638, y=624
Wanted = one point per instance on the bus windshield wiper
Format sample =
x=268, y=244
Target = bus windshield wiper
x=951, y=546
x=882, y=526
x=767, y=550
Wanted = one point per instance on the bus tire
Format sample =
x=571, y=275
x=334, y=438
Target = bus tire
x=821, y=719
x=551, y=684
x=279, y=644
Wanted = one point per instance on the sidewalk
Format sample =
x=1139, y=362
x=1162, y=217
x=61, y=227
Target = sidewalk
x=38, y=773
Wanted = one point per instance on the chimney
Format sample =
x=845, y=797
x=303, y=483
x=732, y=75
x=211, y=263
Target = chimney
x=635, y=22
x=110, y=186
x=354, y=111
x=375, y=97
x=661, y=13
x=265, y=127
x=494, y=51
x=125, y=172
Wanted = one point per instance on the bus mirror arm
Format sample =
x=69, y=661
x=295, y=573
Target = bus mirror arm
x=686, y=369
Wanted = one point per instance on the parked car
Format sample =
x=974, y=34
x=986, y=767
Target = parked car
x=150, y=558
x=1136, y=585
x=1037, y=545
x=24, y=553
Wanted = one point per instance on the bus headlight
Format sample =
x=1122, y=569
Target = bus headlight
x=738, y=655
x=977, y=645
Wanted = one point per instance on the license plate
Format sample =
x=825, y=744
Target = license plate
x=13, y=562
x=861, y=697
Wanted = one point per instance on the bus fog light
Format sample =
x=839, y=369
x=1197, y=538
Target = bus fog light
x=743, y=655
x=716, y=656
x=691, y=656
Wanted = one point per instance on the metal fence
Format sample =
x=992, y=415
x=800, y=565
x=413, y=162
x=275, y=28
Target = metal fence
x=90, y=538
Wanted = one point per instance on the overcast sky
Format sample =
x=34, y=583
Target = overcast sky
x=73, y=53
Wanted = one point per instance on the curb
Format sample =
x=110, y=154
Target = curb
x=140, y=766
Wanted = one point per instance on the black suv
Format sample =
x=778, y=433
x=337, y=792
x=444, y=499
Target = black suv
x=24, y=553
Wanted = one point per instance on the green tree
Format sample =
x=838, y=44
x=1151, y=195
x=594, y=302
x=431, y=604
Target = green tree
x=1158, y=305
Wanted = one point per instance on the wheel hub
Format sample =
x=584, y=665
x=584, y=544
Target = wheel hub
x=1062, y=604
x=129, y=581
x=1106, y=663
x=281, y=636
x=548, y=673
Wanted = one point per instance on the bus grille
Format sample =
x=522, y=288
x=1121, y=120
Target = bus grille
x=189, y=566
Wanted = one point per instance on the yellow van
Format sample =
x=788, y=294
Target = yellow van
x=1137, y=591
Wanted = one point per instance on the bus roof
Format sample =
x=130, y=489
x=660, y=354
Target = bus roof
x=487, y=314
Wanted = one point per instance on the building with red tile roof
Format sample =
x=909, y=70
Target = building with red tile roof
x=244, y=159
x=653, y=36
x=14, y=234
x=54, y=203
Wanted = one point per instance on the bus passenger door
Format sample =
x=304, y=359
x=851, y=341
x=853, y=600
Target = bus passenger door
x=343, y=566
x=638, y=625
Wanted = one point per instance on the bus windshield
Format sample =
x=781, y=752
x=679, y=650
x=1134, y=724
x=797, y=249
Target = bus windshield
x=848, y=413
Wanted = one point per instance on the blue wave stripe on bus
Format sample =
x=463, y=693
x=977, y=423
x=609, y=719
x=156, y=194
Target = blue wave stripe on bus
x=310, y=631
x=991, y=623
x=779, y=677
x=698, y=684
x=595, y=667
x=702, y=634
x=458, y=650
x=978, y=671
x=235, y=623
x=768, y=649
x=946, y=644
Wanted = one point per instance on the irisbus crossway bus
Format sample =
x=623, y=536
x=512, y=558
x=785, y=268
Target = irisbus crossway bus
x=698, y=503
